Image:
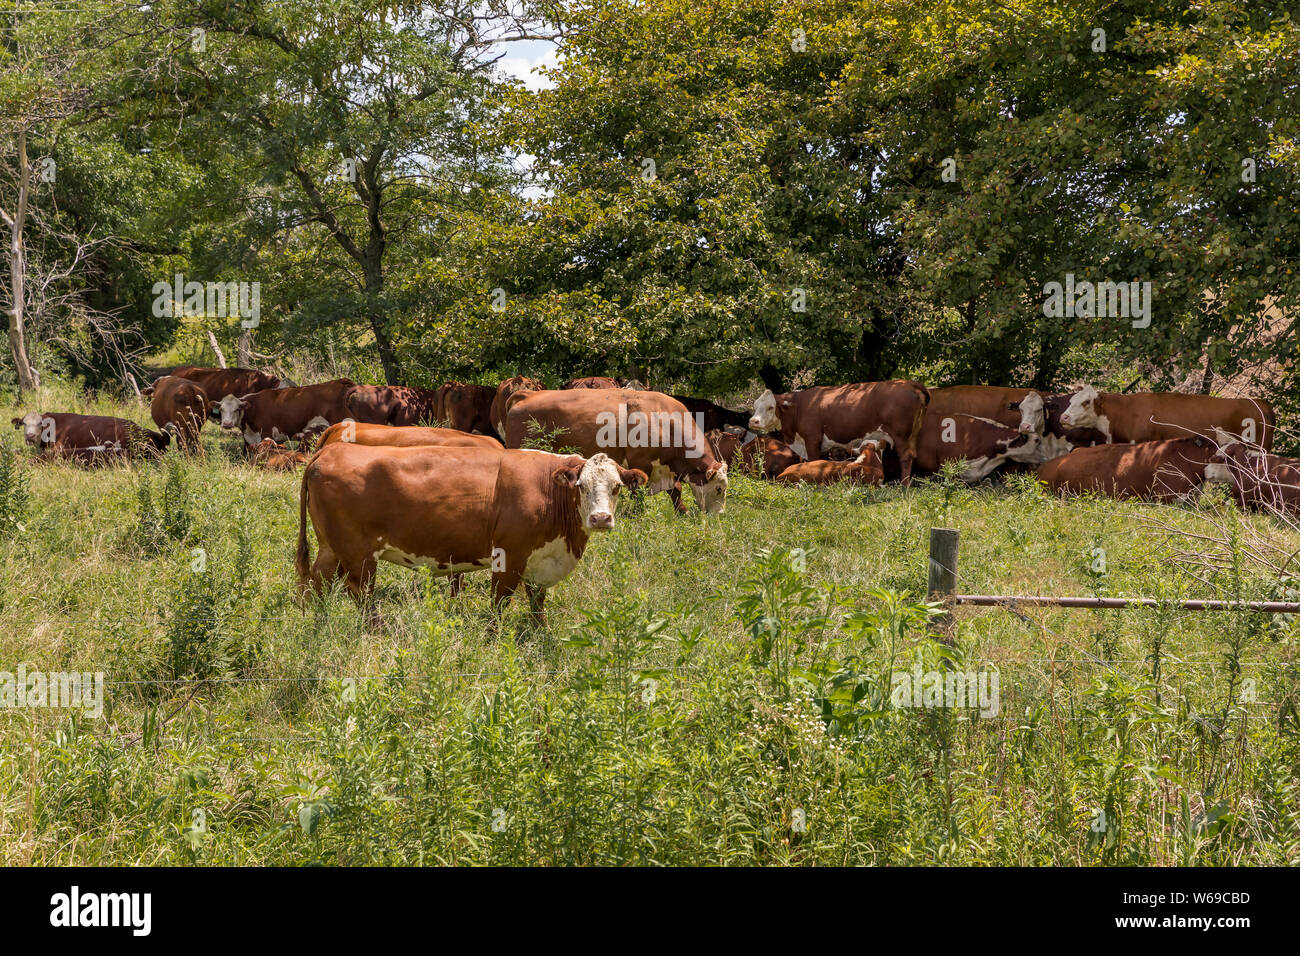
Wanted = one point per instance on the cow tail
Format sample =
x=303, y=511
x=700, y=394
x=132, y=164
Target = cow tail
x=302, y=559
x=924, y=394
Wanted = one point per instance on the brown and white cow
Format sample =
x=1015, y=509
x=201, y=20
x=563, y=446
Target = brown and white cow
x=524, y=515
x=178, y=406
x=1153, y=416
x=814, y=420
x=1157, y=470
x=217, y=383
x=286, y=414
x=866, y=469
x=401, y=436
x=1041, y=415
x=982, y=443
x=1259, y=479
x=393, y=404
x=273, y=457
x=763, y=454
x=467, y=407
x=88, y=438
x=517, y=383
x=646, y=430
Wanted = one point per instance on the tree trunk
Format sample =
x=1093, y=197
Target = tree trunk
x=384, y=345
x=244, y=349
x=28, y=378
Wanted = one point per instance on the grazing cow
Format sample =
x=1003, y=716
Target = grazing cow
x=360, y=433
x=776, y=454
x=393, y=404
x=519, y=383
x=179, y=407
x=467, y=408
x=866, y=469
x=1258, y=479
x=1153, y=416
x=217, y=383
x=525, y=515
x=982, y=443
x=592, y=381
x=640, y=429
x=815, y=420
x=715, y=416
x=1158, y=470
x=88, y=438
x=286, y=413
x=267, y=454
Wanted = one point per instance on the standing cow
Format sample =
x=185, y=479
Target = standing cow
x=393, y=404
x=640, y=429
x=467, y=407
x=500, y=401
x=524, y=515
x=815, y=420
x=1153, y=416
x=217, y=383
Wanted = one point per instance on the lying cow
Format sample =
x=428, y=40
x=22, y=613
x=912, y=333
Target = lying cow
x=88, y=438
x=776, y=455
x=866, y=469
x=178, y=406
x=815, y=420
x=286, y=414
x=497, y=413
x=467, y=408
x=1156, y=470
x=1259, y=479
x=393, y=404
x=982, y=443
x=649, y=431
x=405, y=436
x=217, y=383
x=1153, y=416
x=1041, y=415
x=524, y=515
x=273, y=457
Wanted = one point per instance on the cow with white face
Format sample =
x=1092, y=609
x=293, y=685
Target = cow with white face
x=1033, y=414
x=297, y=413
x=817, y=421
x=1162, y=416
x=524, y=515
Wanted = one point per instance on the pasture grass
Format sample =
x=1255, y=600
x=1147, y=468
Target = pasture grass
x=706, y=691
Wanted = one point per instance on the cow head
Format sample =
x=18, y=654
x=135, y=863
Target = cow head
x=1082, y=412
x=230, y=411
x=598, y=480
x=767, y=411
x=710, y=488
x=36, y=429
x=1033, y=414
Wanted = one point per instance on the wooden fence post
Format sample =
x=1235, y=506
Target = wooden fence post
x=943, y=574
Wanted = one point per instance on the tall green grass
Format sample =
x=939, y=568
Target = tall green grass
x=708, y=691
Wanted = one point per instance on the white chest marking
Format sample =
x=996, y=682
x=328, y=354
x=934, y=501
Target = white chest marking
x=550, y=564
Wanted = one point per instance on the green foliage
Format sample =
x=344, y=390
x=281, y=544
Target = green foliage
x=15, y=493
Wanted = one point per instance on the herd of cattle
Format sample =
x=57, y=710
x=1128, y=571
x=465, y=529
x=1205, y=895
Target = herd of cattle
x=382, y=483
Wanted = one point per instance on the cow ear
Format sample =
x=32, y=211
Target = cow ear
x=1013, y=406
x=632, y=478
x=18, y=422
x=569, y=474
x=719, y=467
x=787, y=402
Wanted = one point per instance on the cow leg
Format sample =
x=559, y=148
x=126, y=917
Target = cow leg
x=361, y=585
x=675, y=494
x=324, y=570
x=905, y=458
x=457, y=584
x=536, y=604
x=504, y=584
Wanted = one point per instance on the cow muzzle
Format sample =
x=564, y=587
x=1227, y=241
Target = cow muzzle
x=600, y=521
